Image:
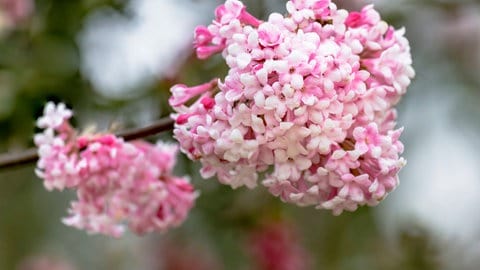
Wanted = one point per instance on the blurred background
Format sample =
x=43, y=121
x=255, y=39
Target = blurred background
x=113, y=61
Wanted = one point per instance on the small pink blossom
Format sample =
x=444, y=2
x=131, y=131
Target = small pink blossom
x=229, y=19
x=232, y=10
x=269, y=34
x=308, y=102
x=202, y=36
x=118, y=184
x=54, y=116
x=181, y=93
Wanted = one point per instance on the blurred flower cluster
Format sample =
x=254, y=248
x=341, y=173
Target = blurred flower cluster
x=275, y=245
x=14, y=12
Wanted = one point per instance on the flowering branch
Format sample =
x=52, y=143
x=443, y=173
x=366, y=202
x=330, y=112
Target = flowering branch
x=308, y=105
x=29, y=156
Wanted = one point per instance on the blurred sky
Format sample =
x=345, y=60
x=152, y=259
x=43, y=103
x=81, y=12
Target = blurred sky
x=122, y=53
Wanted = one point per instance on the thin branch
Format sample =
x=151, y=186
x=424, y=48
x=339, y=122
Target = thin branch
x=161, y=125
x=9, y=160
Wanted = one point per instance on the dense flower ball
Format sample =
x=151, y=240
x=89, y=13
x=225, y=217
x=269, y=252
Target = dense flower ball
x=117, y=183
x=308, y=102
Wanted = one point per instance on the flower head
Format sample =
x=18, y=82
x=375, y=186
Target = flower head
x=118, y=183
x=309, y=100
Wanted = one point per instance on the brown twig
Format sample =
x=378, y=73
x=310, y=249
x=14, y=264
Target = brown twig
x=9, y=160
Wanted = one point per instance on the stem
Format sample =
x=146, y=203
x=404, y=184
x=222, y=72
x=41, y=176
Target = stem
x=30, y=155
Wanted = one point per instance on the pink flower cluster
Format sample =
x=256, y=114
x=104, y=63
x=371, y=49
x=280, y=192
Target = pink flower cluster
x=308, y=102
x=117, y=183
x=277, y=246
x=15, y=11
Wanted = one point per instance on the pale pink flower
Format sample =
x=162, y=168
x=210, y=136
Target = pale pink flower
x=118, y=184
x=308, y=102
x=54, y=116
x=229, y=19
x=181, y=93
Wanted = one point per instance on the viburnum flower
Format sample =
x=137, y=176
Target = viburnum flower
x=118, y=183
x=308, y=103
